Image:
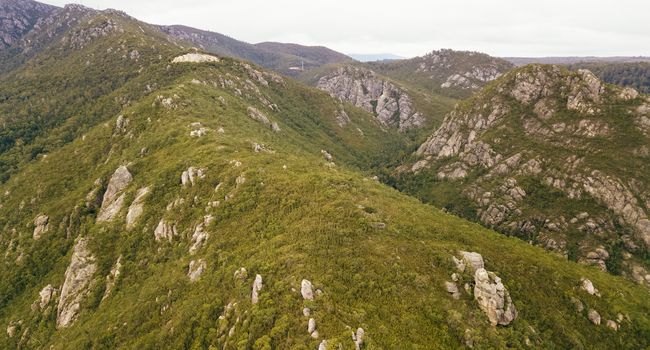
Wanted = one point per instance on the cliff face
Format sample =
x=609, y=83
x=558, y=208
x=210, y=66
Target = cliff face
x=555, y=157
x=390, y=104
x=17, y=17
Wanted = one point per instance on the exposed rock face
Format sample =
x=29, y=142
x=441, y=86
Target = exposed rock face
x=306, y=289
x=322, y=345
x=257, y=115
x=46, y=296
x=508, y=145
x=113, y=198
x=40, y=225
x=473, y=260
x=136, y=208
x=257, y=287
x=363, y=88
x=493, y=298
x=461, y=69
x=78, y=278
x=195, y=58
x=165, y=230
x=196, y=269
x=200, y=236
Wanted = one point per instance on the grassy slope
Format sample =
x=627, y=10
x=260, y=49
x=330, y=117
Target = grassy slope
x=302, y=222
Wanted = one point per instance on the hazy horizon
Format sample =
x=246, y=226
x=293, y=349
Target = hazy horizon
x=499, y=28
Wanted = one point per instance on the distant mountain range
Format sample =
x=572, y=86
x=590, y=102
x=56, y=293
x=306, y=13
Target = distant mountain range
x=376, y=57
x=522, y=61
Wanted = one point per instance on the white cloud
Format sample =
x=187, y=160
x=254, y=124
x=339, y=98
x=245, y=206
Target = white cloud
x=413, y=27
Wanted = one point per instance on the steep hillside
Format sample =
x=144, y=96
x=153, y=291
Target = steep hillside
x=287, y=59
x=317, y=54
x=207, y=215
x=451, y=73
x=392, y=104
x=551, y=156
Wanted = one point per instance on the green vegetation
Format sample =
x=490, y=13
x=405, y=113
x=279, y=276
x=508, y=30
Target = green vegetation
x=283, y=212
x=635, y=75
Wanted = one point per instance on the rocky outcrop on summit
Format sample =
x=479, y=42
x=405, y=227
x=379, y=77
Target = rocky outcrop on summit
x=113, y=197
x=544, y=132
x=78, y=278
x=391, y=105
x=195, y=58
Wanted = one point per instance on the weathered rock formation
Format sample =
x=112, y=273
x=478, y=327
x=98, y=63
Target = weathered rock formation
x=41, y=225
x=190, y=176
x=257, y=287
x=365, y=89
x=136, y=208
x=78, y=277
x=165, y=230
x=113, y=197
x=493, y=298
x=512, y=148
x=195, y=58
x=306, y=290
x=257, y=115
x=196, y=269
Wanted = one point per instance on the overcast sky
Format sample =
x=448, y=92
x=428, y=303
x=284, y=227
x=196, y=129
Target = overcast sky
x=414, y=27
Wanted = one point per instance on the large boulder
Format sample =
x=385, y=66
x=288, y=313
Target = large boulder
x=165, y=230
x=306, y=289
x=493, y=298
x=78, y=277
x=113, y=197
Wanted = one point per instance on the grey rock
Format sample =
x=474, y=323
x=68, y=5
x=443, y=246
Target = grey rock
x=113, y=198
x=358, y=338
x=306, y=289
x=195, y=58
x=493, y=298
x=46, y=296
x=363, y=88
x=612, y=325
x=78, y=278
x=322, y=345
x=165, y=230
x=589, y=287
x=196, y=269
x=200, y=236
x=241, y=274
x=40, y=225
x=473, y=260
x=257, y=287
x=311, y=326
x=594, y=317
x=191, y=176
x=136, y=208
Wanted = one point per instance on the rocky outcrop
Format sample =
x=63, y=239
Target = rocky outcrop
x=113, y=197
x=136, y=208
x=77, y=283
x=190, y=176
x=200, y=236
x=257, y=287
x=358, y=338
x=165, y=231
x=195, y=58
x=588, y=287
x=512, y=149
x=257, y=115
x=41, y=225
x=17, y=18
x=493, y=298
x=196, y=269
x=391, y=104
x=47, y=296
